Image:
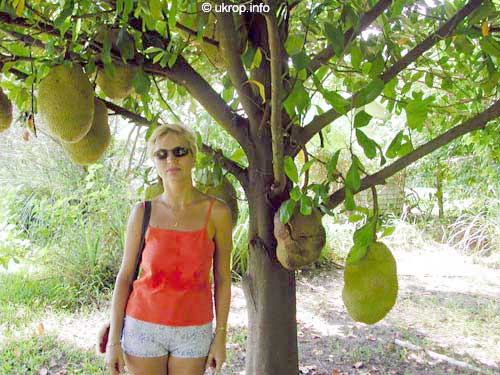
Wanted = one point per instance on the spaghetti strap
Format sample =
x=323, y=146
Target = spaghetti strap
x=208, y=213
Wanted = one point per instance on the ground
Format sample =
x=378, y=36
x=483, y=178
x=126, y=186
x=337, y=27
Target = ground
x=446, y=306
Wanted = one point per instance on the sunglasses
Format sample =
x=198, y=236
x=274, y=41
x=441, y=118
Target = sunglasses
x=178, y=152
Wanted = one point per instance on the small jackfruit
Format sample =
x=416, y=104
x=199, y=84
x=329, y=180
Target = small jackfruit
x=300, y=240
x=93, y=145
x=5, y=112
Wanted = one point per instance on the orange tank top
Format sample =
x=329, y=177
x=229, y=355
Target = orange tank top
x=174, y=286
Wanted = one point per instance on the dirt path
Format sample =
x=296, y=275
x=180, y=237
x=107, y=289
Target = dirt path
x=445, y=304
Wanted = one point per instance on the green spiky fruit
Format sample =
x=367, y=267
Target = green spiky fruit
x=5, y=112
x=226, y=192
x=371, y=284
x=153, y=191
x=93, y=145
x=118, y=85
x=300, y=240
x=66, y=102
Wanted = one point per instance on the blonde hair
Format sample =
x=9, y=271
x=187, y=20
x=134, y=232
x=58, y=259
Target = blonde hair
x=181, y=129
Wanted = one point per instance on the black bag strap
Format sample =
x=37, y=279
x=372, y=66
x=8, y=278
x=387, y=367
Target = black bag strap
x=145, y=223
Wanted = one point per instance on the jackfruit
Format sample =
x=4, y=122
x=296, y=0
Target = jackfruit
x=300, y=240
x=91, y=147
x=66, y=102
x=371, y=284
x=119, y=84
x=215, y=54
x=5, y=111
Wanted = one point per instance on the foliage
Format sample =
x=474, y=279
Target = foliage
x=434, y=64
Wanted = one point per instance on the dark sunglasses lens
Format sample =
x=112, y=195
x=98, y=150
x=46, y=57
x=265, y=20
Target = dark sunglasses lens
x=180, y=151
x=161, y=155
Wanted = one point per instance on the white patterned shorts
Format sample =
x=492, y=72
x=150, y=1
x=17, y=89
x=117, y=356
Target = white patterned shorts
x=145, y=339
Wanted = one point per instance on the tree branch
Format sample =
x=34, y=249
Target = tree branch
x=229, y=46
x=303, y=135
x=477, y=122
x=275, y=49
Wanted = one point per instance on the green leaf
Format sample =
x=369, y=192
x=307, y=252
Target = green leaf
x=336, y=37
x=429, y=79
x=364, y=235
x=490, y=46
x=356, y=56
x=338, y=102
x=388, y=231
x=141, y=82
x=362, y=119
x=368, y=144
x=416, y=114
x=369, y=93
x=159, y=56
x=286, y=210
x=256, y=59
x=238, y=155
x=248, y=56
x=129, y=6
x=397, y=8
x=349, y=200
x=298, y=98
x=352, y=180
x=331, y=165
x=295, y=193
x=125, y=44
x=291, y=169
x=378, y=65
x=293, y=44
x=306, y=166
x=172, y=14
x=300, y=60
x=66, y=12
x=262, y=91
x=305, y=205
x=355, y=254
x=355, y=217
x=155, y=9
x=395, y=145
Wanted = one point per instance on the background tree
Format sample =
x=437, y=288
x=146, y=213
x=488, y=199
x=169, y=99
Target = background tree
x=274, y=81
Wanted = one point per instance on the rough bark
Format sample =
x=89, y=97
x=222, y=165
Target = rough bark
x=269, y=290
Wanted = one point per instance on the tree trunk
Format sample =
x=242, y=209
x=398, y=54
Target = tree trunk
x=269, y=291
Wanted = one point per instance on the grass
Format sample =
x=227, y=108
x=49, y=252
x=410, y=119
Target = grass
x=33, y=354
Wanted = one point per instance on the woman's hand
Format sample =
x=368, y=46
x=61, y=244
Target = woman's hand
x=217, y=353
x=114, y=360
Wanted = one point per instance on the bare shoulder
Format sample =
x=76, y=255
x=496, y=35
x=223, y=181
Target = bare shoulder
x=136, y=213
x=221, y=213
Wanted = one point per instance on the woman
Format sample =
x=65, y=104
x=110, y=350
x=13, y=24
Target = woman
x=167, y=321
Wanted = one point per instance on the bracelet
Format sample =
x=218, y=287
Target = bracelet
x=221, y=328
x=109, y=345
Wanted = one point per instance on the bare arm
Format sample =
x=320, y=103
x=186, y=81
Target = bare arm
x=222, y=270
x=126, y=273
